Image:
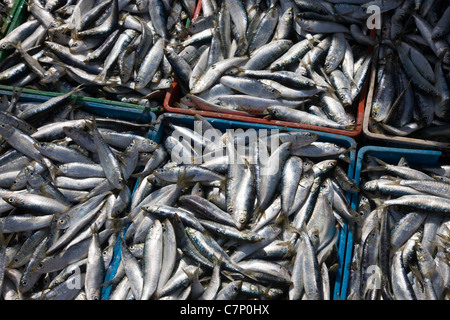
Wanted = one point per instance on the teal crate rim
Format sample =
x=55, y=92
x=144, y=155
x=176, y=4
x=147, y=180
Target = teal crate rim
x=79, y=97
x=106, y=108
x=157, y=136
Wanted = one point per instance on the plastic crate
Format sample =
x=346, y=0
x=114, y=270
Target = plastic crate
x=21, y=15
x=173, y=96
x=388, y=140
x=114, y=110
x=392, y=156
x=223, y=124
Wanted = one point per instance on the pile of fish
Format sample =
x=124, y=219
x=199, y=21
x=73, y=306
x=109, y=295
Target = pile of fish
x=70, y=195
x=402, y=247
x=411, y=96
x=65, y=175
x=115, y=47
x=307, y=61
x=247, y=215
x=297, y=61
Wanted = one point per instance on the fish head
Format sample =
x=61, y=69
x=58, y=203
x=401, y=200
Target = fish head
x=13, y=200
x=43, y=265
x=63, y=222
x=241, y=219
x=275, y=111
x=149, y=145
x=370, y=186
x=6, y=130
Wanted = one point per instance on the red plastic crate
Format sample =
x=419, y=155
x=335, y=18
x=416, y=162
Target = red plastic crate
x=173, y=96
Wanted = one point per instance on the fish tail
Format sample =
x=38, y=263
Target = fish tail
x=52, y=169
x=91, y=124
x=4, y=241
x=351, y=127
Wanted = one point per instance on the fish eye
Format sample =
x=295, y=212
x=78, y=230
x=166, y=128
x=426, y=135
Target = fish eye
x=41, y=265
x=235, y=289
x=11, y=199
x=62, y=221
x=241, y=220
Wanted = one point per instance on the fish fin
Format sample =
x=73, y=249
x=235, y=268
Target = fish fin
x=445, y=239
x=351, y=127
x=249, y=274
x=282, y=220
x=91, y=124
x=345, y=157
x=81, y=198
x=101, y=77
x=227, y=275
x=191, y=275
x=52, y=169
x=381, y=167
x=394, y=181
x=140, y=175
x=184, y=180
x=381, y=162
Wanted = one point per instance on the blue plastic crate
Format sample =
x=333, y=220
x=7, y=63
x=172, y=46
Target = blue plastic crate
x=112, y=110
x=391, y=156
x=158, y=134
